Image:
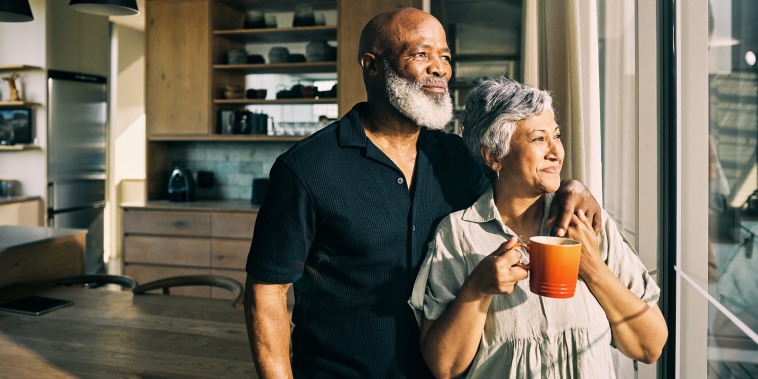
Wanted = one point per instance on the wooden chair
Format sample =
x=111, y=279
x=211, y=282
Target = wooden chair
x=97, y=280
x=195, y=280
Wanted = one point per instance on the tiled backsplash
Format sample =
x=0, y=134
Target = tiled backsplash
x=234, y=165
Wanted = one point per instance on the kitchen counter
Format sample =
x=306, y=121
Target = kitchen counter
x=201, y=205
x=37, y=254
x=17, y=199
x=21, y=211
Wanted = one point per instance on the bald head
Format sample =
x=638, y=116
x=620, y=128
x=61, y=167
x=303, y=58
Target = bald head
x=381, y=33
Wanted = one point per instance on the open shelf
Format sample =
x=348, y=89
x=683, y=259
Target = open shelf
x=5, y=104
x=227, y=137
x=272, y=35
x=18, y=67
x=323, y=100
x=279, y=5
x=19, y=147
x=279, y=68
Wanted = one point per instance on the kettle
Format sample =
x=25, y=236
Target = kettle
x=181, y=186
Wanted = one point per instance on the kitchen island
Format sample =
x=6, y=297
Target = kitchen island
x=37, y=254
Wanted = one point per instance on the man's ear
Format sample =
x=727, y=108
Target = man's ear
x=490, y=159
x=371, y=64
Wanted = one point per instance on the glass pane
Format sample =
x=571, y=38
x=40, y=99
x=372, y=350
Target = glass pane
x=733, y=199
x=618, y=111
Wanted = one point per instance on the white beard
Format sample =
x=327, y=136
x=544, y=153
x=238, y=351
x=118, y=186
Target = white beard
x=432, y=111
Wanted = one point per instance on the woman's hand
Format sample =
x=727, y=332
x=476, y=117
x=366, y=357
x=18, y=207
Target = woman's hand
x=569, y=199
x=580, y=229
x=498, y=273
x=639, y=330
x=450, y=343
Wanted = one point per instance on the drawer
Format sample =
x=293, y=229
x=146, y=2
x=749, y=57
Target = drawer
x=233, y=225
x=196, y=224
x=167, y=250
x=229, y=253
x=143, y=274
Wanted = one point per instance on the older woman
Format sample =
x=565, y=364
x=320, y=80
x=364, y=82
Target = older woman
x=476, y=312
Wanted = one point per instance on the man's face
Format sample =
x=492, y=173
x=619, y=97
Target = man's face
x=417, y=82
x=432, y=110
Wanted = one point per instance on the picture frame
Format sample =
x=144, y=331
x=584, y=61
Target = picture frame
x=15, y=126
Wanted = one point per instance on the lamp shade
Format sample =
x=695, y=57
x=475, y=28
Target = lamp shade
x=106, y=7
x=15, y=11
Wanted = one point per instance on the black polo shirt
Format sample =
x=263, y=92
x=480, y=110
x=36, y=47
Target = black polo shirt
x=341, y=224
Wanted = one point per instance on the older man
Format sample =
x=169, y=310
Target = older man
x=350, y=210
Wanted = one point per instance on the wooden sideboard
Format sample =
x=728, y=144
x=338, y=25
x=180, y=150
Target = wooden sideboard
x=164, y=239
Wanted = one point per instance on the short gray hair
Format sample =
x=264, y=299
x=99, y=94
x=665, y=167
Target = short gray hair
x=492, y=110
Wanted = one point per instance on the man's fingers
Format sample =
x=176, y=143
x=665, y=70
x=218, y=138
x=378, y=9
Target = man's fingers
x=563, y=222
x=597, y=221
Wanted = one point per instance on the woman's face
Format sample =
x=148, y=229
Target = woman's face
x=536, y=155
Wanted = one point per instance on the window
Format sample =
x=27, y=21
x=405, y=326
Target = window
x=717, y=132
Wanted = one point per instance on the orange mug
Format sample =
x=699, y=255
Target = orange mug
x=553, y=266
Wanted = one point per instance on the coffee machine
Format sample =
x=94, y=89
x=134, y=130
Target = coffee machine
x=181, y=186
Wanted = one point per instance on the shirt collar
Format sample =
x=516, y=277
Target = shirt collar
x=483, y=210
x=351, y=131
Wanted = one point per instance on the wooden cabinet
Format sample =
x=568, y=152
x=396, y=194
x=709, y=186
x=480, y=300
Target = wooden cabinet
x=187, y=42
x=178, y=87
x=21, y=211
x=190, y=239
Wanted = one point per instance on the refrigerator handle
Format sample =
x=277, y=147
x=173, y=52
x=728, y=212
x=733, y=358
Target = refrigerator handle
x=50, y=203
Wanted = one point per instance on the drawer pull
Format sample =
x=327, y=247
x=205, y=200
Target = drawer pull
x=179, y=224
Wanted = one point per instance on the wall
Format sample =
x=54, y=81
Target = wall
x=127, y=129
x=234, y=164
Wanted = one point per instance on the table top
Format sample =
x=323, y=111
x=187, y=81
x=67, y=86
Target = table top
x=108, y=333
x=14, y=237
x=236, y=206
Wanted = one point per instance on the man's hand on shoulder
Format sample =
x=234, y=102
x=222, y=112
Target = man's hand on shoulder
x=569, y=199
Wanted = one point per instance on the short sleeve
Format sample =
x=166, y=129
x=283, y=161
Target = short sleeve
x=625, y=263
x=284, y=228
x=441, y=276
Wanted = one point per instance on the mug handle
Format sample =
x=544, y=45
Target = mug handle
x=519, y=264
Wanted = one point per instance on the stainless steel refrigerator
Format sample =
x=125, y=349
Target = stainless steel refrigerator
x=76, y=147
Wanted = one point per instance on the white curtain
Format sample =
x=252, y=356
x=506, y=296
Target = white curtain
x=560, y=54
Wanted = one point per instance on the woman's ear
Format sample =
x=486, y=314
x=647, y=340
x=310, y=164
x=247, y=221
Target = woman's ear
x=490, y=159
x=370, y=64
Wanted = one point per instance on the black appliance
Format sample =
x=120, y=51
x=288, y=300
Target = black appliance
x=181, y=186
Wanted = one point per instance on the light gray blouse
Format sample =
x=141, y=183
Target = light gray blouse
x=526, y=335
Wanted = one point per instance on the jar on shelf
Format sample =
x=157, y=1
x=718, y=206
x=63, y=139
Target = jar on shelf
x=303, y=16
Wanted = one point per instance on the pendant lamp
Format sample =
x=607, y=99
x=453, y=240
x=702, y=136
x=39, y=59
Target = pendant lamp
x=15, y=11
x=106, y=7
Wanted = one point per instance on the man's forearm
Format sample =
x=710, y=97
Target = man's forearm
x=268, y=328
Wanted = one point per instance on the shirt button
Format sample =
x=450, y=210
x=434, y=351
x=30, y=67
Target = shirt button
x=413, y=228
x=400, y=180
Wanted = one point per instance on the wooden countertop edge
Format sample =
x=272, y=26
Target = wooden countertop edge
x=21, y=237
x=18, y=199
x=201, y=205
